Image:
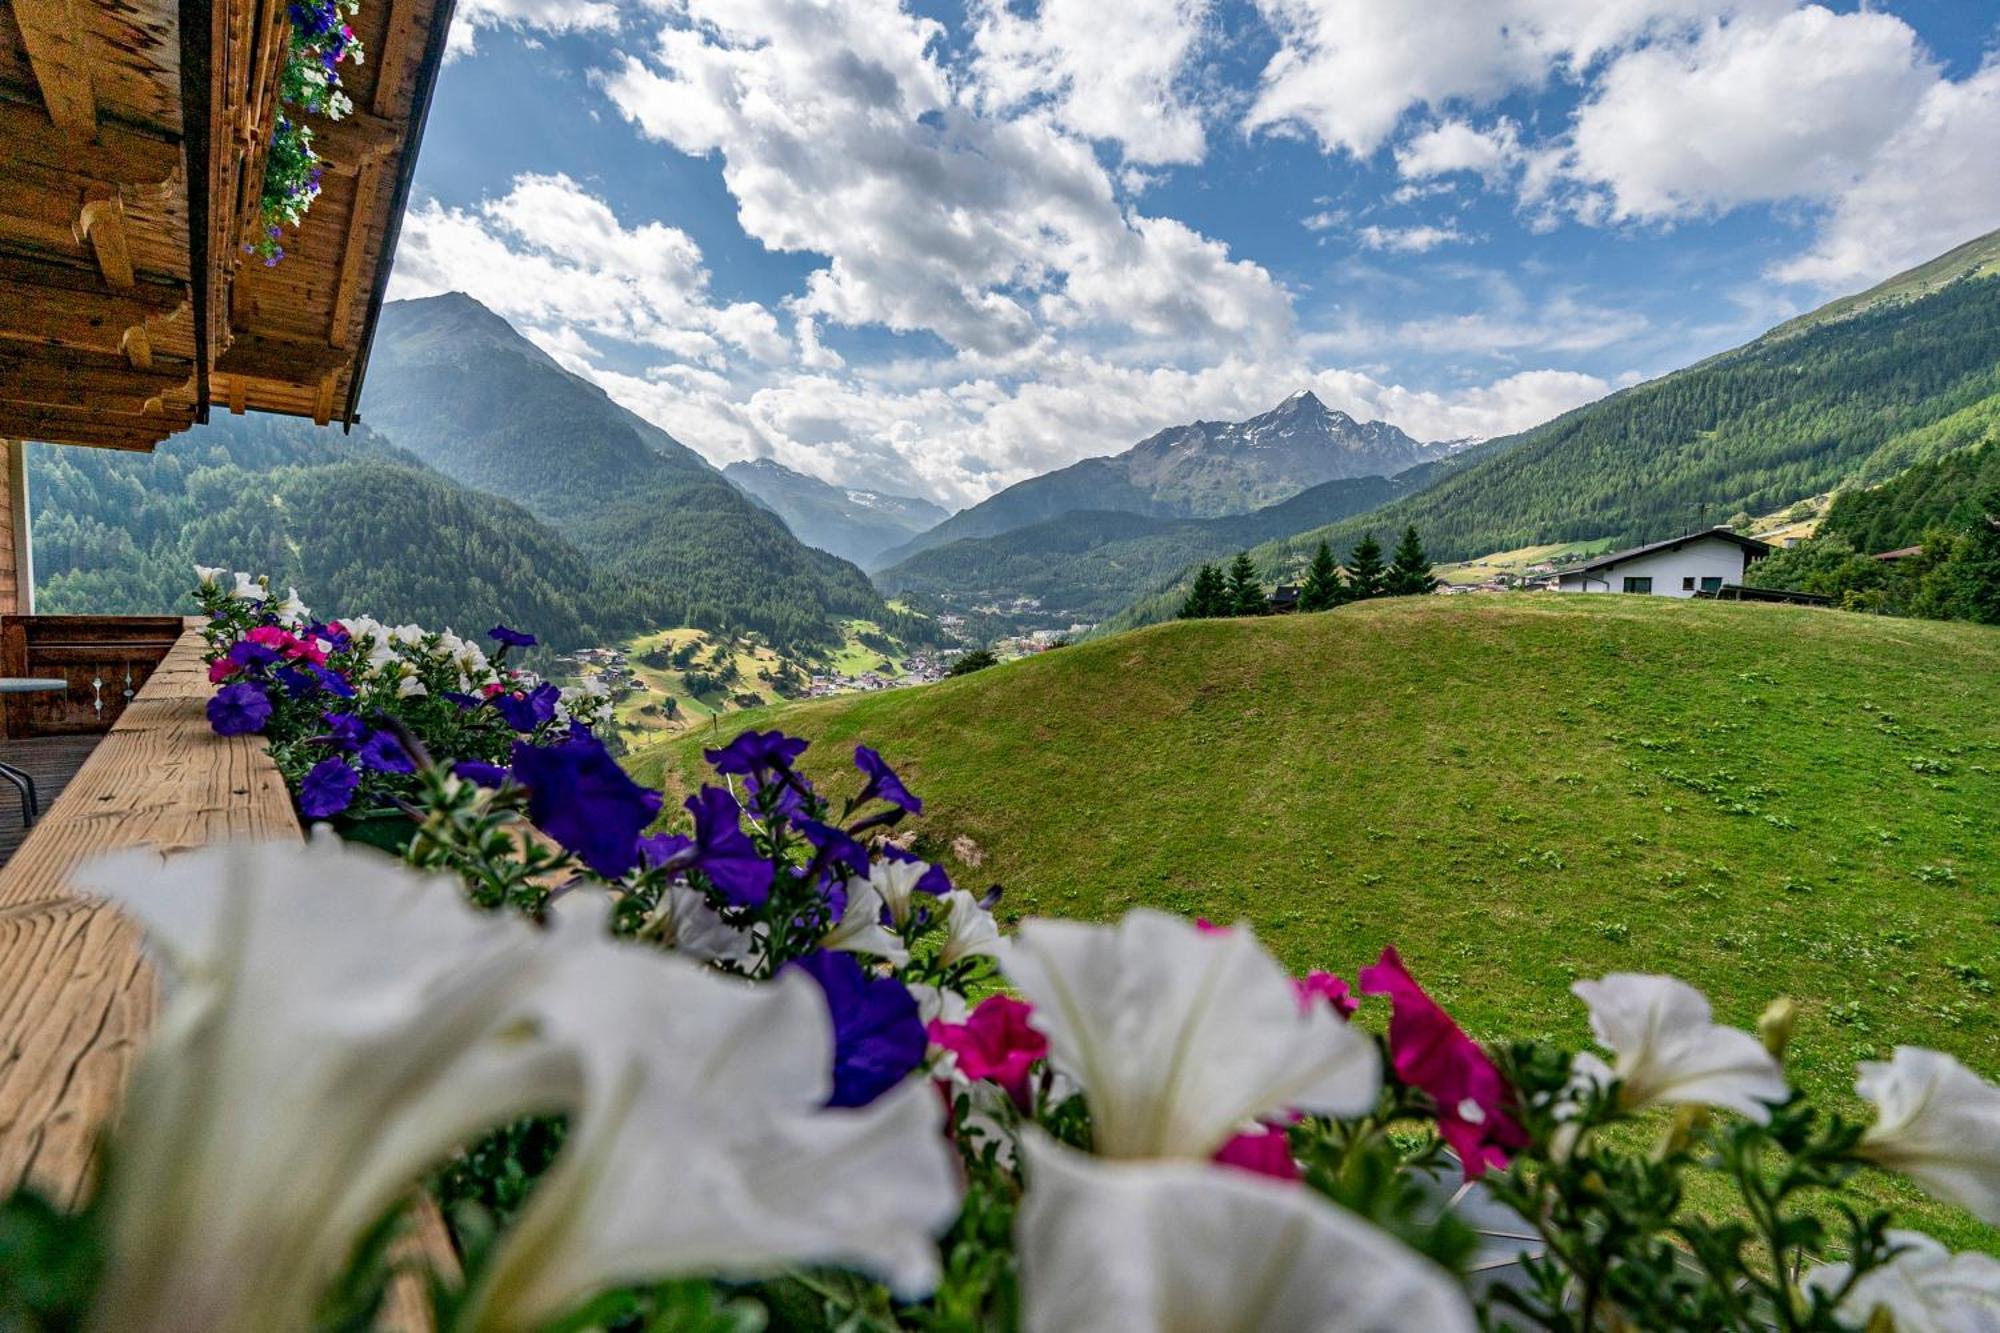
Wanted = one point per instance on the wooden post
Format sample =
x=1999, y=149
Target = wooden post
x=17, y=562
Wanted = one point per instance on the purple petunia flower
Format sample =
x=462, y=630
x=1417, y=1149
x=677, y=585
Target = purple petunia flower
x=330, y=680
x=510, y=638
x=385, y=754
x=756, y=751
x=578, y=795
x=835, y=845
x=878, y=1037
x=775, y=797
x=296, y=682
x=883, y=782
x=345, y=730
x=239, y=709
x=479, y=771
x=245, y=653
x=525, y=712
x=466, y=702
x=328, y=788
x=724, y=852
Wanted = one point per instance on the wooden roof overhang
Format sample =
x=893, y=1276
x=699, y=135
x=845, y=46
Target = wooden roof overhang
x=132, y=142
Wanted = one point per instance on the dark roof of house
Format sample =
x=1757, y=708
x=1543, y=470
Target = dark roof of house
x=1286, y=592
x=1750, y=544
x=1900, y=553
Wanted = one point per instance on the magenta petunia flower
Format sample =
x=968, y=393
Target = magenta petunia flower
x=1328, y=987
x=1266, y=1151
x=1431, y=1053
x=996, y=1043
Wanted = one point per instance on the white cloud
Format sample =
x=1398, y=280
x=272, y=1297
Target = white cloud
x=1455, y=145
x=1753, y=111
x=1930, y=187
x=1107, y=71
x=841, y=134
x=550, y=256
x=525, y=15
x=1348, y=71
x=1408, y=240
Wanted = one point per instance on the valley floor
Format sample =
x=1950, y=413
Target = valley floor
x=1516, y=791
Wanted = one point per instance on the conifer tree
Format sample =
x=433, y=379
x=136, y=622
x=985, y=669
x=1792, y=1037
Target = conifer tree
x=1366, y=575
x=1205, y=597
x=1321, y=591
x=1410, y=571
x=1245, y=591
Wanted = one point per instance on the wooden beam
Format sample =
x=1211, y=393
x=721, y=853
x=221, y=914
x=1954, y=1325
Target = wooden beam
x=54, y=33
x=286, y=360
x=323, y=401
x=238, y=394
x=354, y=255
x=119, y=155
x=399, y=45
x=137, y=345
x=71, y=317
x=102, y=223
x=355, y=141
x=85, y=379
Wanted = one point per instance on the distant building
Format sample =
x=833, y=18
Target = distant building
x=1900, y=553
x=1677, y=567
x=1284, y=599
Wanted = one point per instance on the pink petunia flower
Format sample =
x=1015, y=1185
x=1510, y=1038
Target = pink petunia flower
x=995, y=1042
x=1328, y=987
x=1207, y=927
x=220, y=669
x=1430, y=1052
x=1266, y=1151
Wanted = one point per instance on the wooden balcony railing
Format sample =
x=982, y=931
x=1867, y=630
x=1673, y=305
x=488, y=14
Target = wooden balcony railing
x=77, y=997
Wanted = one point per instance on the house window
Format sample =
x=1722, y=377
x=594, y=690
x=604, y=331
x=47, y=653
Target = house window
x=1687, y=583
x=1712, y=584
x=1638, y=585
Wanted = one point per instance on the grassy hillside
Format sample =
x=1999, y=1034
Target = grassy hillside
x=1517, y=791
x=1976, y=258
x=667, y=704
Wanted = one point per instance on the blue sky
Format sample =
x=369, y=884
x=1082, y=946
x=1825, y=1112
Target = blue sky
x=939, y=246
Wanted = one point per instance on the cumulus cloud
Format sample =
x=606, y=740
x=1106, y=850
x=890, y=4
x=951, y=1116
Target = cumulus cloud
x=1455, y=145
x=1348, y=71
x=1751, y=112
x=841, y=135
x=526, y=15
x=550, y=256
x=1111, y=72
x=1929, y=187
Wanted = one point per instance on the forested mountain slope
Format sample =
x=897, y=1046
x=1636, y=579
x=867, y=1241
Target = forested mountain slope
x=456, y=385
x=1947, y=491
x=1804, y=410
x=355, y=524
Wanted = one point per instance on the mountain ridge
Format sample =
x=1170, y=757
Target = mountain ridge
x=851, y=522
x=1202, y=469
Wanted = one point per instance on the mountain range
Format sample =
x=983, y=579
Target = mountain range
x=457, y=386
x=1843, y=396
x=853, y=524
x=1206, y=469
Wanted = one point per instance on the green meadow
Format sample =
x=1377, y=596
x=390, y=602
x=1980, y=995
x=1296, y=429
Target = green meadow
x=1515, y=790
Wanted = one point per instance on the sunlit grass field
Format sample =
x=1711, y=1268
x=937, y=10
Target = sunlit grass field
x=1516, y=790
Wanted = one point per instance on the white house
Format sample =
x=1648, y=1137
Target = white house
x=1677, y=567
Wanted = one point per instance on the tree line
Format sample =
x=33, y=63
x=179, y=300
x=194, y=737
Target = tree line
x=1238, y=590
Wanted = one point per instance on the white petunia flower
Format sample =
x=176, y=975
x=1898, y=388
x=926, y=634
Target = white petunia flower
x=410, y=687
x=935, y=1004
x=704, y=1145
x=970, y=931
x=1925, y=1289
x=685, y=922
x=860, y=929
x=1178, y=1037
x=1938, y=1123
x=335, y=1025
x=1152, y=1247
x=1669, y=1051
x=248, y=589
x=292, y=609
x=896, y=882
x=210, y=575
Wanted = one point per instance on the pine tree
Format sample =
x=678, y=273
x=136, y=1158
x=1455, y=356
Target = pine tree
x=1245, y=591
x=1410, y=572
x=1365, y=572
x=1321, y=591
x=1205, y=597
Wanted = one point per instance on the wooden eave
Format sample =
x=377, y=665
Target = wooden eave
x=133, y=135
